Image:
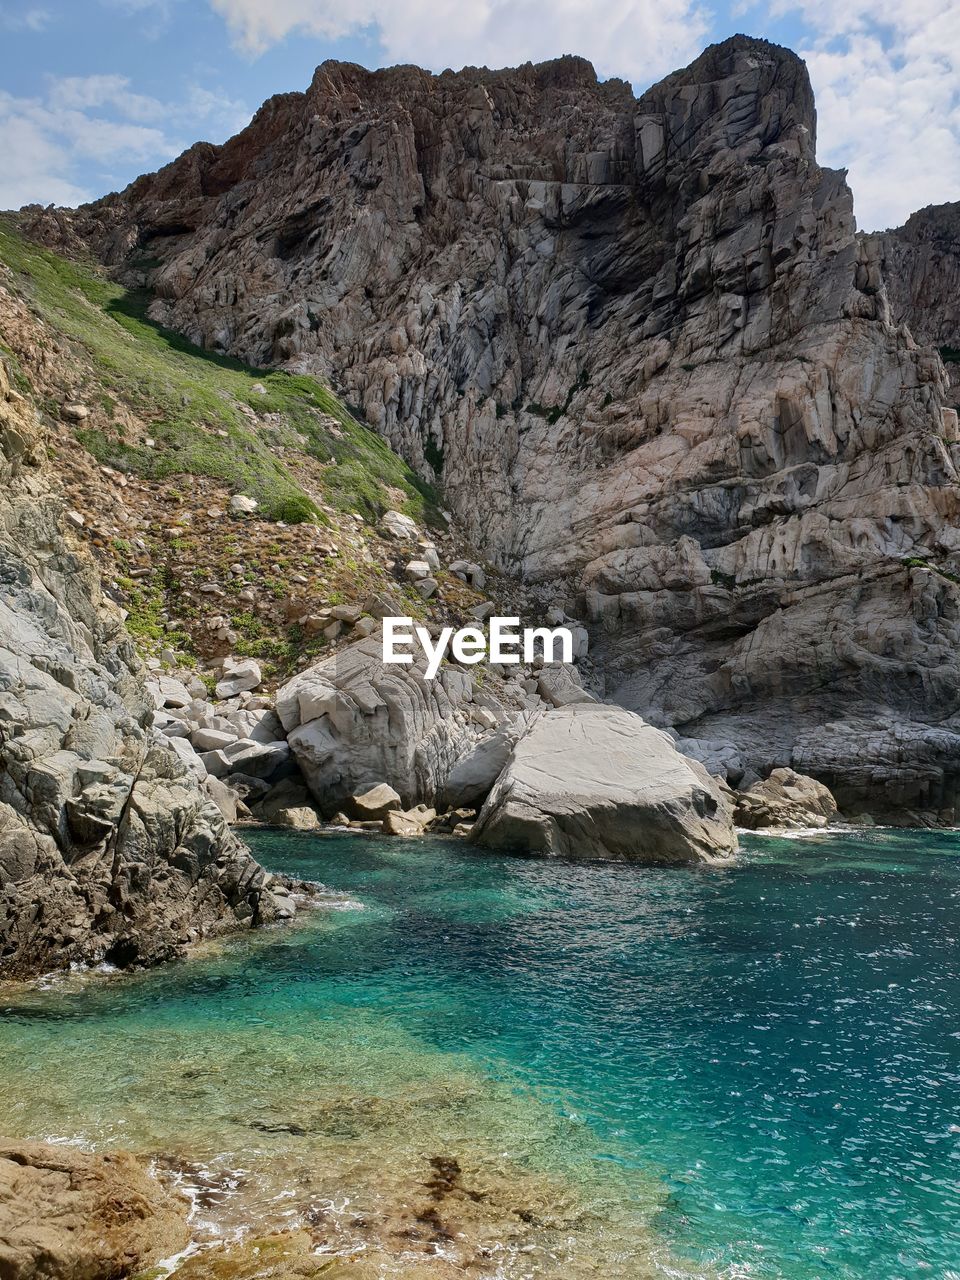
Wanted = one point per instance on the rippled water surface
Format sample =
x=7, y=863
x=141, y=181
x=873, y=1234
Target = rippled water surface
x=750, y=1072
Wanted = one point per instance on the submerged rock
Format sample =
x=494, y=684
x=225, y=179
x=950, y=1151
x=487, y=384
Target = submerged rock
x=592, y=781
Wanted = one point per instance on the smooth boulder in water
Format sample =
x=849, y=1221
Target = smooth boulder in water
x=597, y=782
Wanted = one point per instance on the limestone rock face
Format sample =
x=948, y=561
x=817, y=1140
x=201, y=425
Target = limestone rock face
x=66, y=1214
x=639, y=342
x=109, y=846
x=787, y=800
x=591, y=781
x=355, y=723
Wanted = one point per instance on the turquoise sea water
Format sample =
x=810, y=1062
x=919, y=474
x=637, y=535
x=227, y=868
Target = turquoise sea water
x=748, y=1072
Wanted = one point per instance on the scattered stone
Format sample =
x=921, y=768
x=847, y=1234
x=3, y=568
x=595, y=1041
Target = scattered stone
x=396, y=823
x=225, y=798
x=240, y=504
x=212, y=739
x=398, y=526
x=417, y=569
x=348, y=613
x=375, y=803
x=470, y=573
x=382, y=605
x=363, y=628
x=75, y=412
x=786, y=800
x=471, y=778
x=303, y=818
x=239, y=675
x=168, y=692
x=559, y=685
x=256, y=759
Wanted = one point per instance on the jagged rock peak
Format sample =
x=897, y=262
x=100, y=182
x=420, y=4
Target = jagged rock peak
x=937, y=224
x=569, y=72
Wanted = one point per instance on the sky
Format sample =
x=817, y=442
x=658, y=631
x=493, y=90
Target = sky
x=95, y=92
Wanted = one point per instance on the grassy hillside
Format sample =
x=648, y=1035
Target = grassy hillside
x=208, y=415
x=169, y=432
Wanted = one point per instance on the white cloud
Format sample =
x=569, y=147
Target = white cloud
x=33, y=163
x=97, y=125
x=83, y=92
x=639, y=40
x=886, y=74
x=24, y=19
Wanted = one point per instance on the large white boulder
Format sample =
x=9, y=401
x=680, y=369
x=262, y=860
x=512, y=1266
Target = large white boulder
x=592, y=781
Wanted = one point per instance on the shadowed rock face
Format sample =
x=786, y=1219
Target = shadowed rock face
x=645, y=351
x=109, y=848
x=922, y=273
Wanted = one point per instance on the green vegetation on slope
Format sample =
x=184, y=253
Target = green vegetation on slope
x=189, y=396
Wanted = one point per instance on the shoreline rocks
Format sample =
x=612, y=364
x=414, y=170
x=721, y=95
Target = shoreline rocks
x=597, y=782
x=110, y=849
x=66, y=1214
x=786, y=800
x=354, y=722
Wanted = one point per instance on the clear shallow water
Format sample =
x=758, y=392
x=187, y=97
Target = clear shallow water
x=753, y=1072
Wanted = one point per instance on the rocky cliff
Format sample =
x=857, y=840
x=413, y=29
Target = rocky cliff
x=642, y=347
x=109, y=848
x=921, y=266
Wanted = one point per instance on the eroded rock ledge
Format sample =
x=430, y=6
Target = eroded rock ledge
x=67, y=1214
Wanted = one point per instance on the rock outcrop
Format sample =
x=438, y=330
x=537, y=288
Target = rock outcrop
x=354, y=723
x=66, y=1214
x=593, y=782
x=786, y=800
x=641, y=345
x=109, y=847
